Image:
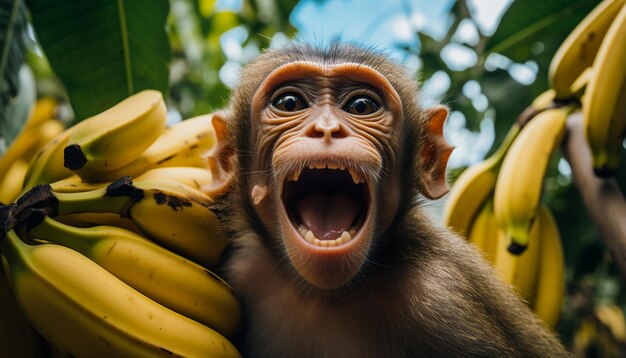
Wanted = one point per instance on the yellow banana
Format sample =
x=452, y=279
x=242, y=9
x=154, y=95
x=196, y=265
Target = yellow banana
x=44, y=109
x=113, y=138
x=520, y=270
x=579, y=49
x=183, y=144
x=551, y=278
x=75, y=184
x=485, y=231
x=172, y=214
x=17, y=336
x=604, y=105
x=474, y=185
x=11, y=184
x=89, y=219
x=87, y=312
x=194, y=177
x=520, y=179
x=174, y=282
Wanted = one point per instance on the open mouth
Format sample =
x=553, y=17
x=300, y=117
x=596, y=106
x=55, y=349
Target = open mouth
x=326, y=206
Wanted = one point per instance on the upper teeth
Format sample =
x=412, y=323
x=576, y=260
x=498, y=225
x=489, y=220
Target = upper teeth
x=356, y=176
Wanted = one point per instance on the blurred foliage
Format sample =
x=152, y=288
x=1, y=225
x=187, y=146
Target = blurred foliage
x=15, y=85
x=200, y=50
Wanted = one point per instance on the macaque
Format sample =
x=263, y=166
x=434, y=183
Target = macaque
x=329, y=153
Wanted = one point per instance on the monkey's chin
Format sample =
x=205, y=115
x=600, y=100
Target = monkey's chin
x=327, y=267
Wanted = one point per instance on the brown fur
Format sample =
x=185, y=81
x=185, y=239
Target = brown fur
x=423, y=291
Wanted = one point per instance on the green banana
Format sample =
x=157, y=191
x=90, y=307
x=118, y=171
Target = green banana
x=85, y=311
x=115, y=137
x=604, y=104
x=171, y=280
x=579, y=49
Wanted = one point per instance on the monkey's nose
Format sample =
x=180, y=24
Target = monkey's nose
x=327, y=128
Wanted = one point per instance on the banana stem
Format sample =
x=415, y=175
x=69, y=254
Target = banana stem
x=602, y=197
x=77, y=239
x=498, y=155
x=96, y=201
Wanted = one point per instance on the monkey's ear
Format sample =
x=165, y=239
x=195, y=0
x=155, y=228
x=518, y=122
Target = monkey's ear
x=220, y=158
x=434, y=155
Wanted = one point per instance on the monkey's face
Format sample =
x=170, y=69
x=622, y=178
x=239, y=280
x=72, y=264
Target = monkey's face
x=329, y=135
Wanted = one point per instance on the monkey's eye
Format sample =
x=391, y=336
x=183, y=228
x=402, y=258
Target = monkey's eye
x=361, y=105
x=289, y=102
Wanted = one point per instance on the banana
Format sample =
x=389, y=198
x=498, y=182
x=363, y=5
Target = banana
x=11, y=184
x=474, y=185
x=174, y=282
x=47, y=165
x=86, y=311
x=172, y=214
x=604, y=105
x=195, y=177
x=520, y=180
x=75, y=184
x=113, y=138
x=17, y=336
x=89, y=219
x=29, y=141
x=520, y=270
x=485, y=231
x=551, y=281
x=579, y=49
x=183, y=144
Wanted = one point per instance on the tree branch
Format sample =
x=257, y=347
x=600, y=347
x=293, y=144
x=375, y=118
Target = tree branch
x=602, y=197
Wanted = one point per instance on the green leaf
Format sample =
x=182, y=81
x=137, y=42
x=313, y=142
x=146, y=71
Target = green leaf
x=104, y=50
x=12, y=43
x=530, y=21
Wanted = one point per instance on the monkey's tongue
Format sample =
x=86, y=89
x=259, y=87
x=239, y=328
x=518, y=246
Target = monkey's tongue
x=327, y=215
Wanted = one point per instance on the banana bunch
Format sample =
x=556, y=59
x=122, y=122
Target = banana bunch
x=109, y=243
x=496, y=205
x=594, y=55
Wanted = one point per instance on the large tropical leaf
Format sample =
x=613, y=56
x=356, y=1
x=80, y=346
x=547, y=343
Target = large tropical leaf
x=527, y=22
x=104, y=50
x=12, y=35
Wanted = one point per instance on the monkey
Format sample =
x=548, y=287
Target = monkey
x=328, y=155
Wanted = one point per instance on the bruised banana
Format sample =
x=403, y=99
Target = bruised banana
x=521, y=270
x=183, y=144
x=604, y=104
x=87, y=312
x=172, y=214
x=551, y=279
x=484, y=233
x=474, y=185
x=520, y=180
x=115, y=137
x=579, y=49
x=171, y=280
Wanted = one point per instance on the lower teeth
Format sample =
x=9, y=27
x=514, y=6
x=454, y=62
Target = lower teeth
x=310, y=237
